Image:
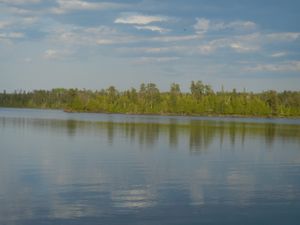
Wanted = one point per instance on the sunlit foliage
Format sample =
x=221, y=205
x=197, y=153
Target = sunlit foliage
x=201, y=100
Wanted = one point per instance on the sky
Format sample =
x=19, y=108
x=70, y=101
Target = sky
x=252, y=45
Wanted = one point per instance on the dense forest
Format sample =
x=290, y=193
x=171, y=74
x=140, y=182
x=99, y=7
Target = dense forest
x=201, y=100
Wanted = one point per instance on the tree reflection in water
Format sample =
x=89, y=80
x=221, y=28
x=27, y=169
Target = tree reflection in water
x=59, y=170
x=198, y=133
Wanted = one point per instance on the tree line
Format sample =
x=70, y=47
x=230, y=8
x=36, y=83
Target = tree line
x=148, y=99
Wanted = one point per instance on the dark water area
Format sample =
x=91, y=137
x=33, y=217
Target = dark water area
x=61, y=168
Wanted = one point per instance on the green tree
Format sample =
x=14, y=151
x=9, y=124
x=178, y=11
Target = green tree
x=271, y=99
x=152, y=95
x=197, y=89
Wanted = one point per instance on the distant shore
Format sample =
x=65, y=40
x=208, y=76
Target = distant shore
x=160, y=114
x=202, y=100
x=186, y=115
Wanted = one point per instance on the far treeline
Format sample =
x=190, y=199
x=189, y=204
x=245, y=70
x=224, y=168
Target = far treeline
x=201, y=100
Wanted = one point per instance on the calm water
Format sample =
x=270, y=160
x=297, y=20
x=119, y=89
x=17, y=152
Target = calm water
x=59, y=168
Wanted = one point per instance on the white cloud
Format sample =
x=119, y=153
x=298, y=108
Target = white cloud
x=20, y=11
x=8, y=38
x=211, y=46
x=104, y=41
x=290, y=66
x=157, y=50
x=139, y=19
x=197, y=44
x=153, y=28
x=16, y=35
x=283, y=36
x=204, y=25
x=206, y=49
x=168, y=49
x=261, y=39
x=244, y=47
x=73, y=35
x=176, y=38
x=249, y=43
x=73, y=5
x=56, y=54
x=17, y=23
x=11, y=35
x=146, y=60
x=28, y=20
x=240, y=25
x=51, y=53
x=278, y=54
x=239, y=44
x=4, y=24
x=19, y=2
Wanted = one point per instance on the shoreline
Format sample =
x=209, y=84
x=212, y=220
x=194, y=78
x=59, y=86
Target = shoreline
x=188, y=115
x=231, y=116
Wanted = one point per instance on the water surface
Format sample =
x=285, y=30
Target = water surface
x=61, y=168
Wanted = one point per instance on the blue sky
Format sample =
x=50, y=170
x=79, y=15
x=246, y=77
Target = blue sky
x=92, y=44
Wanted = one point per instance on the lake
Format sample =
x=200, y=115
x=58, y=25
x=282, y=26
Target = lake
x=74, y=168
